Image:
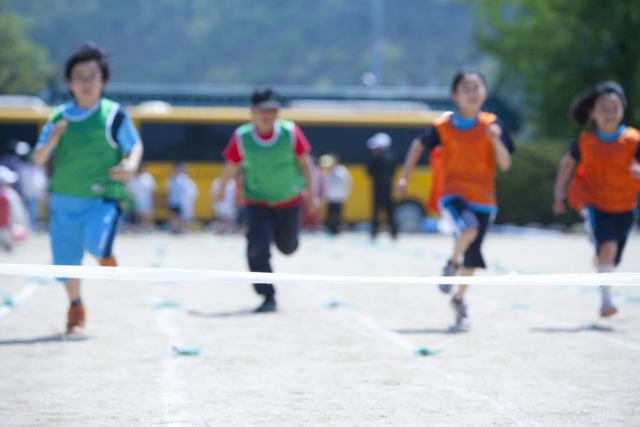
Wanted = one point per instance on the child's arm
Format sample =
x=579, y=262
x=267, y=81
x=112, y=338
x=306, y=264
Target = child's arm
x=229, y=170
x=565, y=168
x=43, y=152
x=128, y=167
x=306, y=166
x=501, y=153
x=413, y=155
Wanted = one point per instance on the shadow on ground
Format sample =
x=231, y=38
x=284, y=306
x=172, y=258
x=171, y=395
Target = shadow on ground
x=449, y=330
x=223, y=314
x=592, y=327
x=38, y=340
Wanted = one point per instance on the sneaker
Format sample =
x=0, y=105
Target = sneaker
x=608, y=311
x=269, y=305
x=75, y=322
x=460, y=308
x=450, y=270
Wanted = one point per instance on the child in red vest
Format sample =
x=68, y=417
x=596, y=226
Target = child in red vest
x=604, y=188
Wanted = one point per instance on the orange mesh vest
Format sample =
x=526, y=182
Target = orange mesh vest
x=603, y=179
x=467, y=162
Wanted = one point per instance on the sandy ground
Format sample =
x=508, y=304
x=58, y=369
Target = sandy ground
x=334, y=354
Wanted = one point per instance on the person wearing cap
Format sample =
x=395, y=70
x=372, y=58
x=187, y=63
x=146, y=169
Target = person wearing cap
x=337, y=184
x=274, y=157
x=382, y=166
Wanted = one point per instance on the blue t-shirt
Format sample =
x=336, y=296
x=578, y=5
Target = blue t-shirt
x=126, y=134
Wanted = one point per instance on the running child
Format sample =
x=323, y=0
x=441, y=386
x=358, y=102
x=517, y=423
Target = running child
x=472, y=144
x=604, y=188
x=277, y=179
x=87, y=138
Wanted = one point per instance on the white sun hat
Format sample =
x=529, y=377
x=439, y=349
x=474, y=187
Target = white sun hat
x=379, y=140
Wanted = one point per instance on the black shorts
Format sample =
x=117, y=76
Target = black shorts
x=175, y=209
x=605, y=227
x=462, y=216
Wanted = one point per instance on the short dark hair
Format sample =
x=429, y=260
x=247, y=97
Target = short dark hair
x=265, y=95
x=465, y=71
x=88, y=51
x=583, y=104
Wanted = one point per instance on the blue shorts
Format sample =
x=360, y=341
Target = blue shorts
x=463, y=215
x=79, y=224
x=604, y=227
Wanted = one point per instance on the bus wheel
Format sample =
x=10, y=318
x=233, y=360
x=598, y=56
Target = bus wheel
x=407, y=216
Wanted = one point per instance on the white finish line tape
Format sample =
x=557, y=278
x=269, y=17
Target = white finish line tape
x=212, y=276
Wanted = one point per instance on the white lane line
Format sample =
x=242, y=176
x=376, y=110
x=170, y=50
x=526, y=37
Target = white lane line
x=19, y=298
x=172, y=382
x=369, y=323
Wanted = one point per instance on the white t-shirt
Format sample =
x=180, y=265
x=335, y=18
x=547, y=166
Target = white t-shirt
x=33, y=181
x=338, y=184
x=182, y=192
x=227, y=207
x=141, y=188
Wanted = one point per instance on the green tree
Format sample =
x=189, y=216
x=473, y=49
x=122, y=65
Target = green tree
x=24, y=69
x=549, y=51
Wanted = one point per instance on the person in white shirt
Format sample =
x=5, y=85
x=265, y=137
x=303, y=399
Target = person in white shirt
x=182, y=192
x=226, y=210
x=141, y=188
x=337, y=185
x=34, y=189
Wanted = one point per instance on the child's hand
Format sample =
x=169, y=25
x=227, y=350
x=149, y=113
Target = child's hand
x=494, y=131
x=558, y=205
x=57, y=131
x=123, y=172
x=401, y=186
x=635, y=170
x=313, y=204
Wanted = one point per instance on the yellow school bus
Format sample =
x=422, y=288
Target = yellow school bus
x=197, y=136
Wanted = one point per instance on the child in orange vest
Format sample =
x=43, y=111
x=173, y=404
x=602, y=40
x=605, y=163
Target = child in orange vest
x=472, y=144
x=604, y=188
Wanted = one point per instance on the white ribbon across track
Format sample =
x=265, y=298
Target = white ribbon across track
x=212, y=276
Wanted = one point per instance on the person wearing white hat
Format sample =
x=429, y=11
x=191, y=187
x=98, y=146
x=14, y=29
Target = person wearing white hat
x=382, y=166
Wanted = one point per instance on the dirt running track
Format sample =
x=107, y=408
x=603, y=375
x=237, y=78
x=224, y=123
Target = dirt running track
x=334, y=354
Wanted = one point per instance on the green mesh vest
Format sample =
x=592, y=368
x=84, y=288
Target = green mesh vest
x=271, y=171
x=85, y=153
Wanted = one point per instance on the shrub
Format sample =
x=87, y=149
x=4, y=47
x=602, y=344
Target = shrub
x=525, y=192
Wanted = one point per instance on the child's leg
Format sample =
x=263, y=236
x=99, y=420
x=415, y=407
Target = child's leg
x=75, y=316
x=463, y=242
x=606, y=263
x=462, y=289
x=609, y=232
x=100, y=232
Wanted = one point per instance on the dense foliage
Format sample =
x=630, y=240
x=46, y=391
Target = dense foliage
x=525, y=192
x=245, y=41
x=24, y=68
x=551, y=50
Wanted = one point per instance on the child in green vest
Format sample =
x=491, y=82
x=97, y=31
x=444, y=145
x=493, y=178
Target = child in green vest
x=277, y=180
x=87, y=138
